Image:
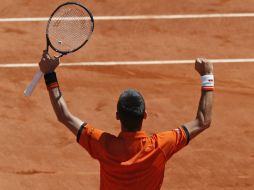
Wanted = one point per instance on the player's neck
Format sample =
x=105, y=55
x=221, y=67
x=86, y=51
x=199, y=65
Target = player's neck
x=125, y=129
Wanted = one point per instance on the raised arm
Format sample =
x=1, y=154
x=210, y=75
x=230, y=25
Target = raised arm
x=204, y=113
x=47, y=66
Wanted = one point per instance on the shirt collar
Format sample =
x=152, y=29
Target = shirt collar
x=136, y=135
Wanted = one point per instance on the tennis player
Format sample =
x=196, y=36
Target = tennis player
x=132, y=160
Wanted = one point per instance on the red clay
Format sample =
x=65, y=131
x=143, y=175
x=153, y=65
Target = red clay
x=39, y=153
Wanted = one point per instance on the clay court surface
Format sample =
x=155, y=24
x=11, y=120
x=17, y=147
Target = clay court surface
x=37, y=152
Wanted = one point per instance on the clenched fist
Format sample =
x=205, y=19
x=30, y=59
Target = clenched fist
x=203, y=66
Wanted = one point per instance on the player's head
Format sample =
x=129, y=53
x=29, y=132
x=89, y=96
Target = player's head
x=131, y=110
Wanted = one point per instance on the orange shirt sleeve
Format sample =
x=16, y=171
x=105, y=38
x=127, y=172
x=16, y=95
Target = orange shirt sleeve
x=92, y=140
x=172, y=141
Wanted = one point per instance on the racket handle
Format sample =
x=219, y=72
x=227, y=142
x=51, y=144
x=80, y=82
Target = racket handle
x=30, y=88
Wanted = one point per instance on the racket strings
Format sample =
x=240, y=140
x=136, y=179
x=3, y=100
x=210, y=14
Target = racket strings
x=69, y=28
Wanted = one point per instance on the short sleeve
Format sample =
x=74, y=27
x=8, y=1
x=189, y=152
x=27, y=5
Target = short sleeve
x=172, y=141
x=91, y=139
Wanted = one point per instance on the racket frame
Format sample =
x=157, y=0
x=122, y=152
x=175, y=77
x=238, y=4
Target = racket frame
x=30, y=88
x=49, y=44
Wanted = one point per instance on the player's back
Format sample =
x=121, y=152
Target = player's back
x=132, y=160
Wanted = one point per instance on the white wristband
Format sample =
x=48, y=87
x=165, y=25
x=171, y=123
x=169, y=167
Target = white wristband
x=207, y=81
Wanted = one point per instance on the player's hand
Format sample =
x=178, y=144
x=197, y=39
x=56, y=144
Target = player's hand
x=203, y=66
x=47, y=63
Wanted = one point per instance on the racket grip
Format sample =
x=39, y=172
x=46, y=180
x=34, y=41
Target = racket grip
x=30, y=88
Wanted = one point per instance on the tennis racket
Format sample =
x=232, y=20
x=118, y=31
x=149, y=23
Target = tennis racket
x=69, y=28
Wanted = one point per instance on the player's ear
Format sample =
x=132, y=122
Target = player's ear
x=145, y=115
x=117, y=116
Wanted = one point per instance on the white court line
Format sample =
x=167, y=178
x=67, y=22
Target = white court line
x=141, y=17
x=109, y=63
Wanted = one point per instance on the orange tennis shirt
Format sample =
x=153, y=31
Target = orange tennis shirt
x=132, y=160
